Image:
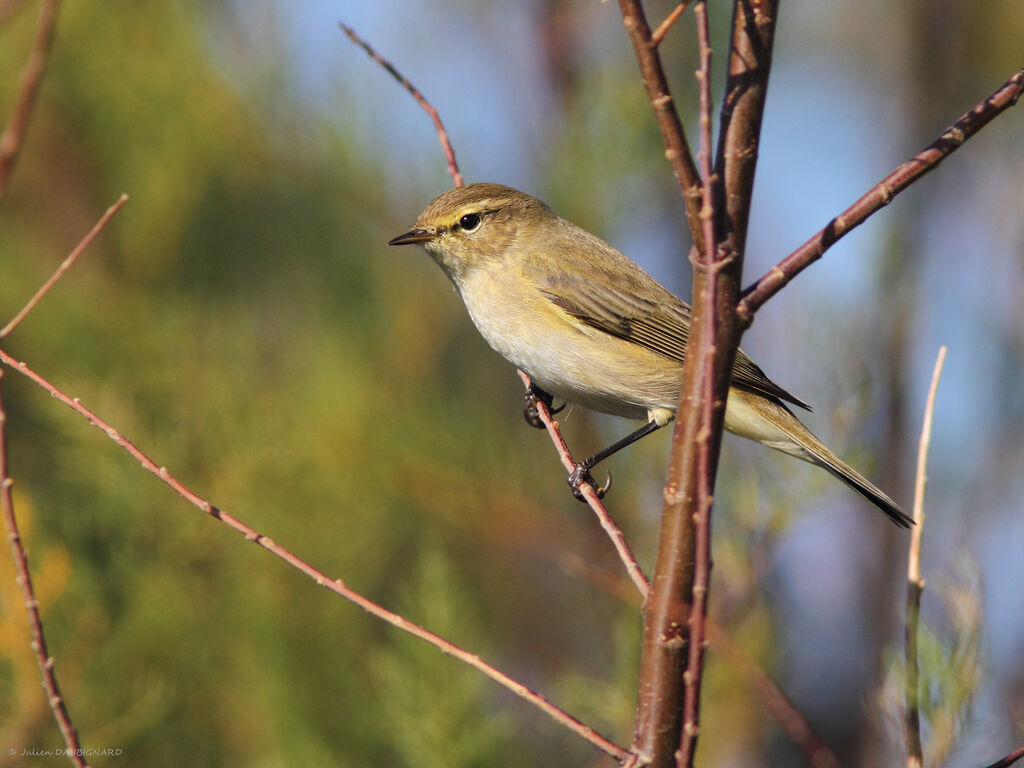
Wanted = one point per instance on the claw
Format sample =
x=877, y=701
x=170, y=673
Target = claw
x=533, y=396
x=580, y=475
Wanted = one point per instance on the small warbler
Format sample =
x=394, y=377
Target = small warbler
x=588, y=325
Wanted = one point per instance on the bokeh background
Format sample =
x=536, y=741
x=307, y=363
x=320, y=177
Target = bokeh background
x=243, y=322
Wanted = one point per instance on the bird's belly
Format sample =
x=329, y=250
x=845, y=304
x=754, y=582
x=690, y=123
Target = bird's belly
x=573, y=361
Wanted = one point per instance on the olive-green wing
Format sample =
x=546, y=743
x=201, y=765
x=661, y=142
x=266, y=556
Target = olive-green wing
x=638, y=309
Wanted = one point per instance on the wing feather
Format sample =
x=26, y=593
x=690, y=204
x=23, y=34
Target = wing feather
x=660, y=323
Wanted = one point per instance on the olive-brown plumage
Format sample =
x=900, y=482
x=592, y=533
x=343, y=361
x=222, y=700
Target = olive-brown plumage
x=590, y=326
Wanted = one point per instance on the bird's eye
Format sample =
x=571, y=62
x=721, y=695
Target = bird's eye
x=470, y=221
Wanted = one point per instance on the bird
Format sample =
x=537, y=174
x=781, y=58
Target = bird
x=588, y=325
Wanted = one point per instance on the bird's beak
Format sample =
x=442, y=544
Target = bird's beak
x=413, y=236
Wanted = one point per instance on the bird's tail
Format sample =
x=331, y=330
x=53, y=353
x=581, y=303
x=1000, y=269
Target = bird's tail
x=797, y=440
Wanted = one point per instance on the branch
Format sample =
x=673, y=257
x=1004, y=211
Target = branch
x=1009, y=760
x=671, y=627
x=43, y=659
x=659, y=34
x=880, y=195
x=677, y=149
x=706, y=458
x=442, y=134
x=591, y=497
x=64, y=266
x=31, y=77
x=915, y=584
x=750, y=60
x=334, y=585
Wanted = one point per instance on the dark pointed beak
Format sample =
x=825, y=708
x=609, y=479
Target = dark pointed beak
x=413, y=236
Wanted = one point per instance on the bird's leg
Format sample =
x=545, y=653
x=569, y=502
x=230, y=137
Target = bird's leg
x=533, y=396
x=581, y=474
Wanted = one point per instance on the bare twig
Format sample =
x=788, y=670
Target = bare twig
x=1009, y=760
x=35, y=622
x=31, y=77
x=590, y=495
x=915, y=584
x=880, y=195
x=442, y=134
x=677, y=149
x=64, y=266
x=334, y=585
x=659, y=34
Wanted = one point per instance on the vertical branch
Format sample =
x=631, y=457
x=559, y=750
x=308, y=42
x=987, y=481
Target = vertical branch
x=714, y=337
x=705, y=462
x=915, y=584
x=31, y=77
x=35, y=622
x=750, y=60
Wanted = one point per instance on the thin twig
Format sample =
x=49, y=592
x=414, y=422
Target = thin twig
x=590, y=495
x=442, y=134
x=334, y=585
x=880, y=195
x=43, y=659
x=702, y=514
x=1009, y=760
x=677, y=149
x=659, y=34
x=31, y=77
x=915, y=584
x=64, y=266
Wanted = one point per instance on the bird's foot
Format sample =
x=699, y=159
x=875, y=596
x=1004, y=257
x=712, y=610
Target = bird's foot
x=533, y=396
x=580, y=475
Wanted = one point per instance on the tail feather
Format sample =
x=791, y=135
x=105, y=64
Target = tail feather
x=770, y=422
x=865, y=488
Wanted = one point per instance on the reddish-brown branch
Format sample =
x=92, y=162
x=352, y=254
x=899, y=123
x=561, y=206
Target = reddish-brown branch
x=880, y=195
x=677, y=149
x=696, y=640
x=35, y=622
x=31, y=77
x=714, y=338
x=442, y=134
x=590, y=495
x=334, y=585
x=1009, y=760
x=750, y=59
x=64, y=266
x=915, y=584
